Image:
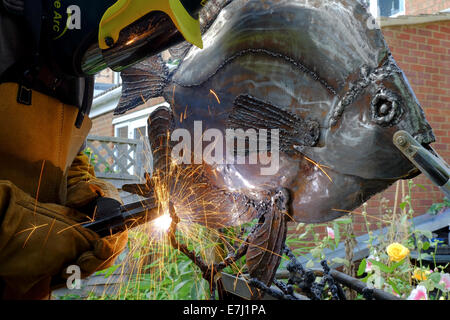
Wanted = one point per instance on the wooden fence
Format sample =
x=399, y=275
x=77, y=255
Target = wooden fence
x=116, y=158
x=120, y=161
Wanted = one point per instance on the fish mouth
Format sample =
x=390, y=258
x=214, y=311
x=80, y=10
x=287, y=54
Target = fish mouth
x=425, y=138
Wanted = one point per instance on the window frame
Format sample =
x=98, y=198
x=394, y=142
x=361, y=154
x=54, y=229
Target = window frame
x=135, y=120
x=375, y=9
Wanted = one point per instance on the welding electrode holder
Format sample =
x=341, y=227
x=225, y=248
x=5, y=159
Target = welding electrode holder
x=111, y=216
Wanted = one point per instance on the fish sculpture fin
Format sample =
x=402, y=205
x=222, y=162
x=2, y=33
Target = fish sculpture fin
x=267, y=241
x=142, y=81
x=252, y=113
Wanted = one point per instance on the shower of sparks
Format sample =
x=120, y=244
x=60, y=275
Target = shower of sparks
x=215, y=95
x=151, y=259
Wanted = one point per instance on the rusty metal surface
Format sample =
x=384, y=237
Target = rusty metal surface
x=267, y=241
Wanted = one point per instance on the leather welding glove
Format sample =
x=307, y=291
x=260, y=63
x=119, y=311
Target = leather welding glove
x=39, y=240
x=83, y=187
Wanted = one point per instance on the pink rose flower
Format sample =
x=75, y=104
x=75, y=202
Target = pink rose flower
x=369, y=264
x=445, y=280
x=330, y=232
x=419, y=293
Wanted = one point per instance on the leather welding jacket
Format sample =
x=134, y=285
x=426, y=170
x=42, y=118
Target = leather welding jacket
x=43, y=176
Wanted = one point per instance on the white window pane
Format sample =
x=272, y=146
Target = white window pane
x=391, y=7
x=122, y=132
x=140, y=132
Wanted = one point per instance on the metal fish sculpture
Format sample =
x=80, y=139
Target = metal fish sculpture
x=317, y=71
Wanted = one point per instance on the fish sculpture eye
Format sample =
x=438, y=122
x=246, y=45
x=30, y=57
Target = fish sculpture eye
x=386, y=109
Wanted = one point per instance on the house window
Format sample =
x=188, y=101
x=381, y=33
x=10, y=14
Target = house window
x=122, y=132
x=387, y=8
x=132, y=129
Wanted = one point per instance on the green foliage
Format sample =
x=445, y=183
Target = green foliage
x=439, y=207
x=178, y=281
x=377, y=270
x=401, y=278
x=307, y=240
x=169, y=276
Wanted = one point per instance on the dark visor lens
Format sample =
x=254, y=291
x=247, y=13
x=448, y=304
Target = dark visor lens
x=153, y=33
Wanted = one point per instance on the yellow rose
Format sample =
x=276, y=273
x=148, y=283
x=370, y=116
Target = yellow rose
x=420, y=274
x=397, y=252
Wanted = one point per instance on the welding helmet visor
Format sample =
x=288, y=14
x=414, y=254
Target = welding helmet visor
x=129, y=33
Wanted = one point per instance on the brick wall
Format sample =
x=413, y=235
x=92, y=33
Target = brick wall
x=414, y=7
x=423, y=52
x=102, y=125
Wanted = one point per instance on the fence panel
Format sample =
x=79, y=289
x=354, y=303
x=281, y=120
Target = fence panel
x=116, y=158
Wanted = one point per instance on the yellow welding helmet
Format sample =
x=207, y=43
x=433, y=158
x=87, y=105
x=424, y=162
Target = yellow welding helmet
x=132, y=30
x=125, y=13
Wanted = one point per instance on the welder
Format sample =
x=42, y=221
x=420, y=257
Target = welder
x=50, y=51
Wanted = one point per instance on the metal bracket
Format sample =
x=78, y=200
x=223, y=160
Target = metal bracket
x=425, y=159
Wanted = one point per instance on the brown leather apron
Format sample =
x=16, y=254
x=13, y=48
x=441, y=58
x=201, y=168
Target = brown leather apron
x=38, y=143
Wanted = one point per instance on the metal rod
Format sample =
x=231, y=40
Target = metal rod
x=347, y=281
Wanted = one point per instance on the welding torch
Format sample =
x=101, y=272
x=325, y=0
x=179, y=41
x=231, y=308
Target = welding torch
x=425, y=159
x=111, y=217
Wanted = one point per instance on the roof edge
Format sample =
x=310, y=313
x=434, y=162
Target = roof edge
x=413, y=20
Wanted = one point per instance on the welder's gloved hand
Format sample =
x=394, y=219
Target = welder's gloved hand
x=85, y=192
x=39, y=241
x=83, y=188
